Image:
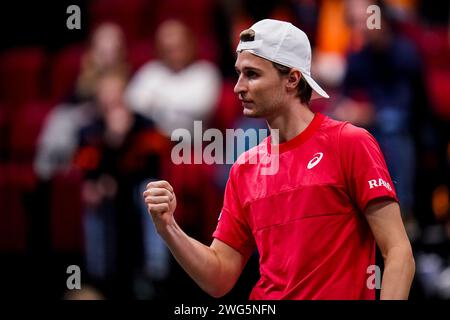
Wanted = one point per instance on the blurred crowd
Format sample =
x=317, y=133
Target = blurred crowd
x=84, y=126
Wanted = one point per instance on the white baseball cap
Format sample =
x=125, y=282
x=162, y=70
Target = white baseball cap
x=283, y=43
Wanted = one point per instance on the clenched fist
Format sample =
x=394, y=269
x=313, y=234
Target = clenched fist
x=161, y=203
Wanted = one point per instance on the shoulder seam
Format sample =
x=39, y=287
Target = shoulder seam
x=341, y=167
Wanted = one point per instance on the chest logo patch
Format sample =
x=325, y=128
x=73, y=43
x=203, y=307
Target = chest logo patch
x=315, y=160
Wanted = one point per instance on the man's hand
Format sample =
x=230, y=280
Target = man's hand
x=161, y=203
x=216, y=268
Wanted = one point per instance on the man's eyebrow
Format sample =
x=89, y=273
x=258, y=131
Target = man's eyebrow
x=248, y=69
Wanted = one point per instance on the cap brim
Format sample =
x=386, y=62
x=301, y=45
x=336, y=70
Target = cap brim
x=318, y=92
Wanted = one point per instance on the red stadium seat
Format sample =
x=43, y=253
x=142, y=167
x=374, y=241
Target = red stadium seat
x=23, y=177
x=131, y=15
x=433, y=43
x=12, y=213
x=434, y=47
x=208, y=49
x=139, y=53
x=227, y=109
x=438, y=83
x=26, y=124
x=66, y=211
x=21, y=71
x=4, y=130
x=64, y=71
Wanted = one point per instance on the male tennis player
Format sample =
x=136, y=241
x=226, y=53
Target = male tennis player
x=316, y=220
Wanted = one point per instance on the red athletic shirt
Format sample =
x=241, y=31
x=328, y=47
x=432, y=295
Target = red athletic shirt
x=307, y=219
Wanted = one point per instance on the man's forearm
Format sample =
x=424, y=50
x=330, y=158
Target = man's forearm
x=399, y=269
x=216, y=268
x=198, y=260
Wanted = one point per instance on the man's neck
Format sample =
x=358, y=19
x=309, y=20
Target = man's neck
x=290, y=123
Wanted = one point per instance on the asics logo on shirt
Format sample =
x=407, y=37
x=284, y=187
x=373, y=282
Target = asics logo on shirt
x=315, y=160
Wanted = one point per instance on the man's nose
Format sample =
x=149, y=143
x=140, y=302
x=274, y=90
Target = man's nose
x=240, y=86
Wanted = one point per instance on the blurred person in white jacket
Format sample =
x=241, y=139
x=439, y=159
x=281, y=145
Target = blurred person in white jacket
x=178, y=88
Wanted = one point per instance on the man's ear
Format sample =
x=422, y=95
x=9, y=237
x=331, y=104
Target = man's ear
x=293, y=79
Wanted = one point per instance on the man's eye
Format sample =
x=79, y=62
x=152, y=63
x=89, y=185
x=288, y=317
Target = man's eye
x=251, y=74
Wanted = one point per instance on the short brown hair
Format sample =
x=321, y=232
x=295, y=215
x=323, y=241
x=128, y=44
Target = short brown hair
x=247, y=35
x=304, y=90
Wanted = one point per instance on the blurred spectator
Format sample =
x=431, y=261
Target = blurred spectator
x=107, y=51
x=341, y=30
x=57, y=140
x=333, y=43
x=176, y=89
x=117, y=151
x=380, y=90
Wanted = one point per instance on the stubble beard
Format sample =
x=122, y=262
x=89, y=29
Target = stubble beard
x=267, y=111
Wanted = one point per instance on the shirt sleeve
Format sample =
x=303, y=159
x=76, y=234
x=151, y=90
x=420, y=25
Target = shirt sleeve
x=232, y=227
x=364, y=168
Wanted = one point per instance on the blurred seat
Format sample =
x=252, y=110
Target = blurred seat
x=208, y=49
x=438, y=87
x=139, y=53
x=26, y=124
x=433, y=43
x=12, y=216
x=66, y=211
x=131, y=15
x=21, y=71
x=434, y=47
x=4, y=131
x=228, y=108
x=64, y=71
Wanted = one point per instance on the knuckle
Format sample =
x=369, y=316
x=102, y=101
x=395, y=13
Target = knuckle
x=167, y=184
